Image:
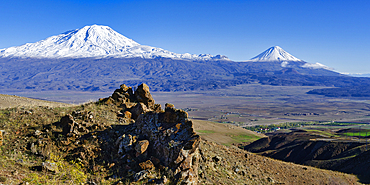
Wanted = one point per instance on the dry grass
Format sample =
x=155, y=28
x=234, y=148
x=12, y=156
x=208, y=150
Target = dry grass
x=17, y=162
x=11, y=101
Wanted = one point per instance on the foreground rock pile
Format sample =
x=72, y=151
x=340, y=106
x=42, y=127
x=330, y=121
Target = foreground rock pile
x=160, y=139
x=144, y=143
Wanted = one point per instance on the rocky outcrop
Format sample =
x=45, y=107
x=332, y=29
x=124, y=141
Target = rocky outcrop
x=138, y=140
x=146, y=140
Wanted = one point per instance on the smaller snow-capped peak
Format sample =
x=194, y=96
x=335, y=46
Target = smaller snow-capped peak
x=94, y=41
x=275, y=53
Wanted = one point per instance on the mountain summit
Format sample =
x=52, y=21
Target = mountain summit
x=94, y=41
x=275, y=53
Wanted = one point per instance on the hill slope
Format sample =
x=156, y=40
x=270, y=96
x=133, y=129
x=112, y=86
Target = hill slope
x=302, y=148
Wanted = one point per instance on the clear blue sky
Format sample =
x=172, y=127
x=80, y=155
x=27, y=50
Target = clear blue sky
x=335, y=33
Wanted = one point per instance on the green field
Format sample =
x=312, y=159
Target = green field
x=245, y=138
x=362, y=133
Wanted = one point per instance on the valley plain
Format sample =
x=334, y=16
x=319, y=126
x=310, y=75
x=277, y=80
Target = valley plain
x=254, y=104
x=243, y=105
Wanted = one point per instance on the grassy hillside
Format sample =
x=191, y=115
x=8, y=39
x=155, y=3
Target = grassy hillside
x=317, y=148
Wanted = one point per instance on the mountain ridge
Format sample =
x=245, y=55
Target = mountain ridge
x=97, y=41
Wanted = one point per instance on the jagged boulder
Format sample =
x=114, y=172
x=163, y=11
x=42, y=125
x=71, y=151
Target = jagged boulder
x=138, y=109
x=143, y=95
x=123, y=95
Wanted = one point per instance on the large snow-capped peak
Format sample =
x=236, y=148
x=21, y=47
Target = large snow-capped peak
x=94, y=41
x=275, y=53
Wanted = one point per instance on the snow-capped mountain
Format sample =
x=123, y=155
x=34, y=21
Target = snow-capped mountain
x=275, y=53
x=94, y=41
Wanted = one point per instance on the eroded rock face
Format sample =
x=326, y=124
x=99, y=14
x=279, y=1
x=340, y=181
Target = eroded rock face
x=173, y=141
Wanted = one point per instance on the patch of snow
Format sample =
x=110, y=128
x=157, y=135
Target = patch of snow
x=316, y=66
x=284, y=64
x=358, y=74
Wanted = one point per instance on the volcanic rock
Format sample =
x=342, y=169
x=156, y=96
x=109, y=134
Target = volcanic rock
x=141, y=146
x=147, y=165
x=125, y=143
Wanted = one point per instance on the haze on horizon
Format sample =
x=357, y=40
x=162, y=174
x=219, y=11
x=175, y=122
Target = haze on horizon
x=333, y=33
